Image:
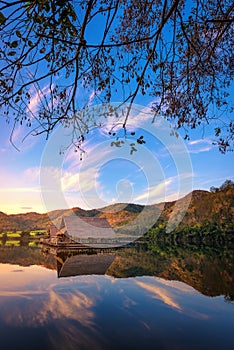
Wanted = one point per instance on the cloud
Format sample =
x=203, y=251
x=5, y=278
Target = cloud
x=32, y=174
x=37, y=97
x=199, y=141
x=172, y=188
x=22, y=138
x=154, y=192
x=200, y=146
x=200, y=150
x=19, y=190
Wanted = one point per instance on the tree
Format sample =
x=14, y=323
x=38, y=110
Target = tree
x=176, y=51
x=228, y=184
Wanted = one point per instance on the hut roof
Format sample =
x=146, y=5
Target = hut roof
x=53, y=231
x=87, y=227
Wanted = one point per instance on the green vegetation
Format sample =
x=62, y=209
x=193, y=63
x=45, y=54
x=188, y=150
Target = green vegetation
x=21, y=238
x=207, y=233
x=13, y=235
x=13, y=242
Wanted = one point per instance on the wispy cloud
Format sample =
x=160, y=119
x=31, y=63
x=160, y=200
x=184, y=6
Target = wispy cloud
x=20, y=189
x=154, y=192
x=36, y=97
x=200, y=146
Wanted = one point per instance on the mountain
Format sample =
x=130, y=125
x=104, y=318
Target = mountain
x=204, y=207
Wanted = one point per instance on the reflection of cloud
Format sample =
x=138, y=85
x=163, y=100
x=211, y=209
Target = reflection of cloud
x=69, y=312
x=177, y=285
x=167, y=291
x=34, y=299
x=71, y=305
x=160, y=293
x=50, y=301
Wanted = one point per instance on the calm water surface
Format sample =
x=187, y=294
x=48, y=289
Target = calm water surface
x=53, y=301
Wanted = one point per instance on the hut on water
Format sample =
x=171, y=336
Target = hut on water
x=55, y=236
x=87, y=230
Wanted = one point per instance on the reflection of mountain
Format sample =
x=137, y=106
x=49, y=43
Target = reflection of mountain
x=210, y=271
x=26, y=256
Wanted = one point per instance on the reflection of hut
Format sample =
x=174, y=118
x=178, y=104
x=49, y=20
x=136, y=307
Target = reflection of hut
x=96, y=264
x=87, y=230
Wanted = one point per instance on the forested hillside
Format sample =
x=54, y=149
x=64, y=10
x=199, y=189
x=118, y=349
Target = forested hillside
x=210, y=211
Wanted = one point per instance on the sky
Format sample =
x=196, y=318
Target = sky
x=36, y=177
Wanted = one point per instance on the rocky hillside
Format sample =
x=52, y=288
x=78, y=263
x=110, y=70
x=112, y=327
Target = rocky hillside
x=216, y=206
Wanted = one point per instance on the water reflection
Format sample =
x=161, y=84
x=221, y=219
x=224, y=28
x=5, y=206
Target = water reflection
x=36, y=301
x=210, y=271
x=83, y=264
x=121, y=299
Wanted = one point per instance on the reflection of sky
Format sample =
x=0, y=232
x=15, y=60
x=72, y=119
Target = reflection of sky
x=96, y=312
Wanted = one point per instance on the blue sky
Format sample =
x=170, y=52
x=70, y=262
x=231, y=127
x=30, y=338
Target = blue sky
x=39, y=178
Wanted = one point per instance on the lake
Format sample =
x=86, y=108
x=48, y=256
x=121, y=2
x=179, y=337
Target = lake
x=133, y=298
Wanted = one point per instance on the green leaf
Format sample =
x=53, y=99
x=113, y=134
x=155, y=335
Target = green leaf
x=2, y=19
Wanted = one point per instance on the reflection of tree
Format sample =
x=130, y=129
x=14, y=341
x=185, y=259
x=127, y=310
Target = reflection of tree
x=208, y=270
x=229, y=298
x=4, y=238
x=26, y=256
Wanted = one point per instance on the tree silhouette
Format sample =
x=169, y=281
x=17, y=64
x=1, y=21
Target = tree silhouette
x=58, y=57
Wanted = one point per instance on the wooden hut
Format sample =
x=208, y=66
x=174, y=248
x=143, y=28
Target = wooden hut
x=87, y=230
x=55, y=236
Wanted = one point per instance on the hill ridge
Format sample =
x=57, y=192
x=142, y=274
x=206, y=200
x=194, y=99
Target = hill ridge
x=216, y=206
